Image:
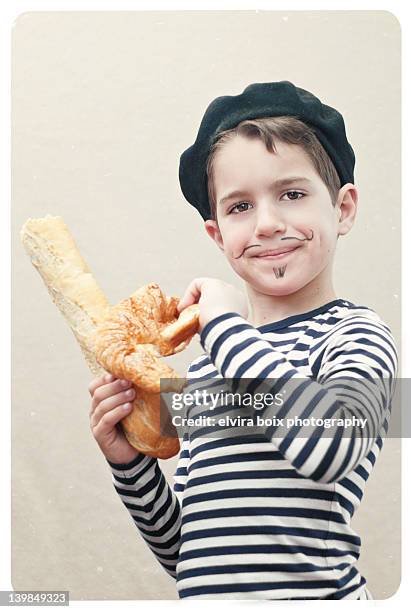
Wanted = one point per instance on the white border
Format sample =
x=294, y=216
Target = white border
x=8, y=16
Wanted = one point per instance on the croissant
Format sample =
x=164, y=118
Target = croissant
x=129, y=342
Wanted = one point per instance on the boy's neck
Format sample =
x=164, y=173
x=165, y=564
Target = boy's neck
x=269, y=309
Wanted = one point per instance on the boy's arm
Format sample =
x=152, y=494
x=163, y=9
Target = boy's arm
x=153, y=506
x=356, y=378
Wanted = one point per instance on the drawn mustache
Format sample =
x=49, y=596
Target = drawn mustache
x=285, y=238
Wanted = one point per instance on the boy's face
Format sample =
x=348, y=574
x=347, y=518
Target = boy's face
x=280, y=203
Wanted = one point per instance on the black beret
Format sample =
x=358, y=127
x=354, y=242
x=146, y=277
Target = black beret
x=262, y=100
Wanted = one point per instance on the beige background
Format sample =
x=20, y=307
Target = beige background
x=103, y=105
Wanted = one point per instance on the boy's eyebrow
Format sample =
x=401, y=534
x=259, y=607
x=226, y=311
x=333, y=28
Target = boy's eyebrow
x=279, y=183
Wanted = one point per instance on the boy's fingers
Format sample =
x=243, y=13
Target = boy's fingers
x=107, y=391
x=110, y=419
x=192, y=294
x=98, y=381
x=109, y=404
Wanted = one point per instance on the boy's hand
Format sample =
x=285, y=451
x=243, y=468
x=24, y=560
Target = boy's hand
x=215, y=297
x=108, y=407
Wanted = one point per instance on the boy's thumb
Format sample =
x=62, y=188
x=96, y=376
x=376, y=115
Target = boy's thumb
x=182, y=304
x=191, y=295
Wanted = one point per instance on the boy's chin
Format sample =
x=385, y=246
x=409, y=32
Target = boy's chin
x=277, y=288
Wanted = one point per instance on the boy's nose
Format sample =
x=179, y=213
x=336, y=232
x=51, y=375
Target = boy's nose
x=268, y=221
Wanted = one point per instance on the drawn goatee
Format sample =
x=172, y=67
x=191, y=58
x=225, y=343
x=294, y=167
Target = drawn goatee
x=279, y=272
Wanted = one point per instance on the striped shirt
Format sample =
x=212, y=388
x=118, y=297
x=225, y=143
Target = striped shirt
x=265, y=512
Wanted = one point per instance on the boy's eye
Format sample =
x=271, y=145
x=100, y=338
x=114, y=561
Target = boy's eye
x=240, y=207
x=294, y=195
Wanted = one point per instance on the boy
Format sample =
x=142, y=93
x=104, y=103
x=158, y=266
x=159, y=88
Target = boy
x=265, y=513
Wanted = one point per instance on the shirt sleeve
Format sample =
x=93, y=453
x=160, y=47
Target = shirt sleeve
x=356, y=378
x=154, y=507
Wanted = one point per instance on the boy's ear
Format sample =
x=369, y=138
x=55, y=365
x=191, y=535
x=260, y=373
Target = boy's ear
x=213, y=231
x=346, y=207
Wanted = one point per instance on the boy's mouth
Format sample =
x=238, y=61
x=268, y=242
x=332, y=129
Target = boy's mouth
x=276, y=253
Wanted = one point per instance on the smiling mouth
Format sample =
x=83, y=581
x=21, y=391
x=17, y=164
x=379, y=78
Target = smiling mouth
x=276, y=256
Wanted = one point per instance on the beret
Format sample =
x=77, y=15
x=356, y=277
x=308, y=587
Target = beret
x=262, y=100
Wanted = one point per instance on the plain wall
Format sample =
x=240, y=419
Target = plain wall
x=103, y=104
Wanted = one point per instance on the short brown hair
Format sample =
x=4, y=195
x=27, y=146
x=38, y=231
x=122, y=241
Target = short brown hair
x=289, y=130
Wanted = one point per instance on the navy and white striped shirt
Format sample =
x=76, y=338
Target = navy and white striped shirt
x=266, y=514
